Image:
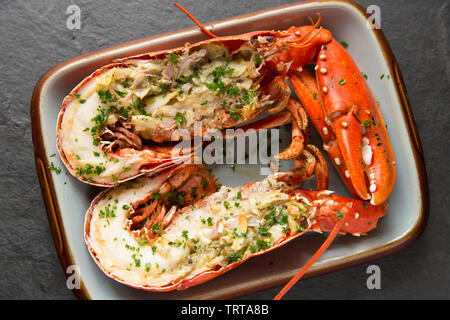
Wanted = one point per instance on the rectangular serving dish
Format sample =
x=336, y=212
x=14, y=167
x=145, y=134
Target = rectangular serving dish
x=67, y=199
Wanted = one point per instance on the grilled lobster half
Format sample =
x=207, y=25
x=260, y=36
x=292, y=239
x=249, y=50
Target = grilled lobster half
x=179, y=229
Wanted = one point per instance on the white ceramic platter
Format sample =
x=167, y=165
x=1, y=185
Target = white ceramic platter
x=67, y=199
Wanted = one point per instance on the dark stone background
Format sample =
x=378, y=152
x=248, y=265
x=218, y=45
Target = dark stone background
x=34, y=38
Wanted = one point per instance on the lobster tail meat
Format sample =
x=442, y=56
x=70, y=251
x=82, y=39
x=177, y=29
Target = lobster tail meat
x=113, y=123
x=150, y=235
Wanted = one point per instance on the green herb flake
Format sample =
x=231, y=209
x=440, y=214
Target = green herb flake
x=156, y=228
x=121, y=94
x=180, y=119
x=52, y=167
x=142, y=242
x=172, y=57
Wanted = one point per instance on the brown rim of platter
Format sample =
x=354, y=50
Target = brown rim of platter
x=53, y=211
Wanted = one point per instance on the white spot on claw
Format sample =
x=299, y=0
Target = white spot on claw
x=323, y=70
x=322, y=57
x=325, y=89
x=344, y=124
x=347, y=174
x=372, y=188
x=325, y=130
x=338, y=162
x=366, y=151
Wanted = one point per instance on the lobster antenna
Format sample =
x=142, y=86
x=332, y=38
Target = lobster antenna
x=202, y=27
x=313, y=27
x=313, y=259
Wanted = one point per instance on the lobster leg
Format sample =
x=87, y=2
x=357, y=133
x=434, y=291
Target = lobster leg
x=299, y=128
x=305, y=86
x=336, y=215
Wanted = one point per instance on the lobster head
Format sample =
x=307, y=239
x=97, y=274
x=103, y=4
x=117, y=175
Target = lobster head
x=301, y=45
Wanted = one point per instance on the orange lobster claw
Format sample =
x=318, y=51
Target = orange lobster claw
x=357, y=122
x=347, y=117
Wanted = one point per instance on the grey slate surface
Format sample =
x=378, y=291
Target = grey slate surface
x=34, y=38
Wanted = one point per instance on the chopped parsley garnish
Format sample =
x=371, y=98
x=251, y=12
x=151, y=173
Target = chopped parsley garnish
x=139, y=106
x=204, y=183
x=137, y=262
x=125, y=84
x=344, y=44
x=172, y=57
x=89, y=170
x=180, y=119
x=105, y=96
x=52, y=167
x=262, y=230
x=262, y=244
x=341, y=81
x=367, y=124
x=156, y=228
x=108, y=212
x=237, y=256
x=233, y=91
x=142, y=242
x=121, y=94
x=234, y=115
